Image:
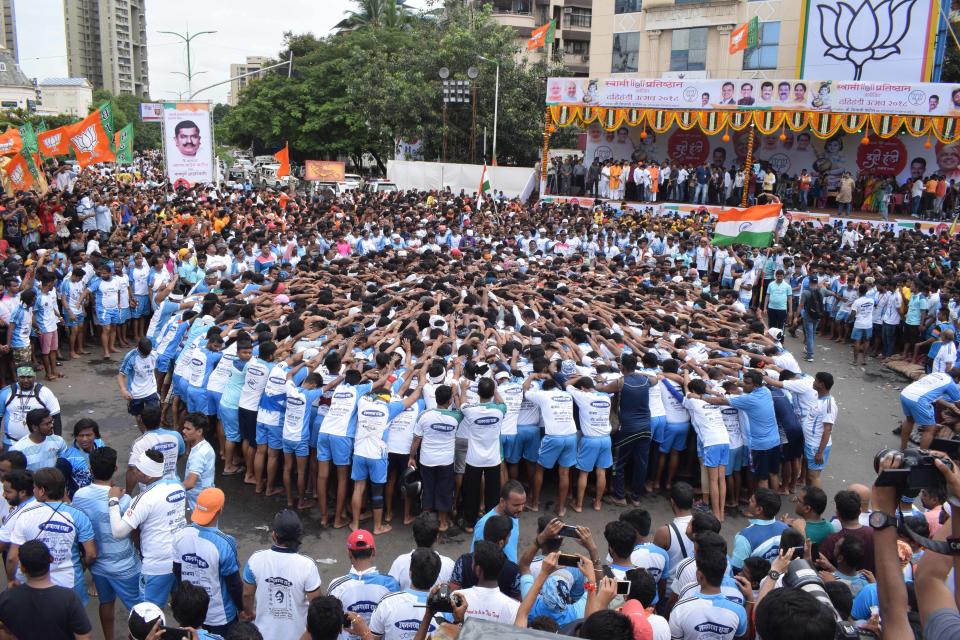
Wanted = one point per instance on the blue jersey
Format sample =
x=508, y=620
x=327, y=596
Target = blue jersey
x=79, y=461
x=207, y=556
x=116, y=557
x=300, y=411
x=22, y=321
x=758, y=405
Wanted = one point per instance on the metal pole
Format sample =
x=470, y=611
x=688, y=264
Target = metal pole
x=484, y=144
x=496, y=110
x=187, y=38
x=242, y=75
x=473, y=125
x=444, y=130
x=189, y=73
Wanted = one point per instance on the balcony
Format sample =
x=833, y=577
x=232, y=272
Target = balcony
x=514, y=13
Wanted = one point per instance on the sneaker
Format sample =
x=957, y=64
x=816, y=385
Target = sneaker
x=809, y=358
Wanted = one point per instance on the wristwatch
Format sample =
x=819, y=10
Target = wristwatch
x=774, y=575
x=880, y=520
x=113, y=502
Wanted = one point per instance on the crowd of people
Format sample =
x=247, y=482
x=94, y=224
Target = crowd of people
x=427, y=359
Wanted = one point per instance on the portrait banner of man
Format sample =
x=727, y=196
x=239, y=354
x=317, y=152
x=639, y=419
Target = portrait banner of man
x=188, y=142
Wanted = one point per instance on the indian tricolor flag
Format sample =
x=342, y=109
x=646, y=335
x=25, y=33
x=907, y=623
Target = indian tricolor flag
x=484, y=186
x=755, y=226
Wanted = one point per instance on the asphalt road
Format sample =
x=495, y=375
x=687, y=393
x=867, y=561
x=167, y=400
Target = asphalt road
x=867, y=399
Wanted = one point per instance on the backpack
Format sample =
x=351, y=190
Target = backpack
x=814, y=305
x=14, y=394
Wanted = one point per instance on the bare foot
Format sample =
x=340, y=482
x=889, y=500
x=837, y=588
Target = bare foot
x=274, y=492
x=577, y=508
x=388, y=517
x=382, y=529
x=366, y=515
x=408, y=521
x=306, y=503
x=324, y=521
x=532, y=507
x=249, y=480
x=597, y=505
x=353, y=526
x=561, y=511
x=339, y=524
x=259, y=489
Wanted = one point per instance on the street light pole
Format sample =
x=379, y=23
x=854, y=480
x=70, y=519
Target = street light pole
x=496, y=105
x=187, y=37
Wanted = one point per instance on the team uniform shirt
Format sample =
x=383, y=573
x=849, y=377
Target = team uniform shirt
x=158, y=513
x=41, y=454
x=863, y=306
x=655, y=560
x=202, y=363
x=202, y=461
x=106, y=293
x=283, y=577
x=217, y=380
x=400, y=569
x=556, y=410
x=672, y=399
x=62, y=528
x=22, y=317
x=274, y=397
x=116, y=557
x=930, y=388
x=400, y=437
x=72, y=292
x=373, y=421
x=594, y=411
x=489, y=603
x=206, y=556
x=141, y=381
x=707, y=616
x=360, y=592
x=512, y=394
x=48, y=316
x=299, y=411
x=707, y=421
x=758, y=405
x=16, y=403
x=825, y=413
x=481, y=426
x=946, y=357
x=255, y=379
x=438, y=429
x=398, y=616
x=169, y=443
x=341, y=417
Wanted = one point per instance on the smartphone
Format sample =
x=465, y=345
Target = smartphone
x=569, y=531
x=797, y=553
x=568, y=560
x=623, y=587
x=175, y=633
x=815, y=551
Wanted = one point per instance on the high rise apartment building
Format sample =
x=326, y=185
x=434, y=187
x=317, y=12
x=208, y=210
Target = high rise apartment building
x=107, y=44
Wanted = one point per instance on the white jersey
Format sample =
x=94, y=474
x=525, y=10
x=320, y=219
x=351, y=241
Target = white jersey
x=169, y=443
x=707, y=421
x=254, y=380
x=221, y=373
x=438, y=428
x=398, y=616
x=158, y=513
x=825, y=413
x=655, y=395
x=512, y=394
x=735, y=428
x=400, y=569
x=283, y=579
x=556, y=410
x=489, y=603
x=400, y=437
x=594, y=411
x=702, y=616
x=673, y=407
x=481, y=426
x=373, y=421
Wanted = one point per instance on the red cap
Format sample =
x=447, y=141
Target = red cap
x=360, y=540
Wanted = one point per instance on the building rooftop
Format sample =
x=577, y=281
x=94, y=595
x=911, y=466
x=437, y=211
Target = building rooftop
x=64, y=82
x=10, y=73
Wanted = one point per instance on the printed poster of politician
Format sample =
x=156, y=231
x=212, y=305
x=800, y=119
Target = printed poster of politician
x=188, y=142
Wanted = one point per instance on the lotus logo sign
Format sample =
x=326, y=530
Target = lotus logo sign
x=86, y=140
x=872, y=30
x=16, y=176
x=52, y=142
x=6, y=146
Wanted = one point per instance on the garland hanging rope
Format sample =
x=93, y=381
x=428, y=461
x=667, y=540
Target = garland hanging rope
x=821, y=125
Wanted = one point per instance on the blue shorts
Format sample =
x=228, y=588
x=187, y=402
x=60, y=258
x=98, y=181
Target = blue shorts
x=675, y=437
x=336, y=448
x=108, y=588
x=594, y=452
x=108, y=316
x=156, y=589
x=510, y=446
x=163, y=363
x=141, y=306
x=658, y=425
x=716, y=455
x=842, y=316
x=78, y=322
x=180, y=387
x=529, y=441
x=230, y=418
x=555, y=450
x=372, y=469
x=315, y=431
x=861, y=334
x=299, y=449
x=125, y=314
x=196, y=399
x=736, y=460
x=213, y=403
x=810, y=452
x=922, y=414
x=270, y=435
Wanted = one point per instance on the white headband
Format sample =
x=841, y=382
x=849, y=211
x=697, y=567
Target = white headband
x=148, y=467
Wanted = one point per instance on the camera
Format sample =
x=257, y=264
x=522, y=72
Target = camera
x=916, y=470
x=443, y=600
x=800, y=575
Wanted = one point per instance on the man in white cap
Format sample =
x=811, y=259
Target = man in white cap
x=158, y=512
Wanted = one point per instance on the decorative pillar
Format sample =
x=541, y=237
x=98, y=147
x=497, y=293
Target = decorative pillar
x=748, y=167
x=724, y=30
x=548, y=128
x=653, y=53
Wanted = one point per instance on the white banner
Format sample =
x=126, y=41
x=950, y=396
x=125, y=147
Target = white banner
x=841, y=96
x=188, y=142
x=151, y=111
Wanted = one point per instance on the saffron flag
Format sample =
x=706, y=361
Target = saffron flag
x=541, y=36
x=283, y=157
x=19, y=174
x=745, y=36
x=755, y=226
x=90, y=141
x=484, y=186
x=10, y=142
x=55, y=142
x=123, y=145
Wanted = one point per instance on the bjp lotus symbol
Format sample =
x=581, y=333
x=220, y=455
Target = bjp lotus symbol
x=86, y=140
x=16, y=176
x=53, y=141
x=872, y=31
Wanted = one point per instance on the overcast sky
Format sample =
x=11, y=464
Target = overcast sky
x=244, y=27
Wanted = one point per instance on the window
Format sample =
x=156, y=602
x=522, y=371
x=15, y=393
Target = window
x=765, y=55
x=576, y=17
x=689, y=1
x=3, y=66
x=576, y=48
x=626, y=52
x=688, y=51
x=627, y=6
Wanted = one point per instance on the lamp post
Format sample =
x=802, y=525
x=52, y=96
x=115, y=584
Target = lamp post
x=187, y=37
x=496, y=105
x=472, y=73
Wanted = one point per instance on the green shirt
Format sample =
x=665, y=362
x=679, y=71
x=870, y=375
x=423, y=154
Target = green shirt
x=817, y=532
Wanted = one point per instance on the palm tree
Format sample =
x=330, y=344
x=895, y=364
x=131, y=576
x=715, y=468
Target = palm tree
x=377, y=14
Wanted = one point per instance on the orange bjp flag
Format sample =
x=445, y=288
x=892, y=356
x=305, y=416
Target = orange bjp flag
x=283, y=157
x=90, y=142
x=738, y=38
x=19, y=174
x=11, y=142
x=55, y=142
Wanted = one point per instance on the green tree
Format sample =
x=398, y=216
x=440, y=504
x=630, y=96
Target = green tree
x=126, y=109
x=377, y=13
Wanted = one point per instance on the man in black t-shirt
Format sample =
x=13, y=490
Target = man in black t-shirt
x=39, y=608
x=496, y=530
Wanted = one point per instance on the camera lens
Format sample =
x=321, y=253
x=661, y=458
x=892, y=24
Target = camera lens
x=883, y=453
